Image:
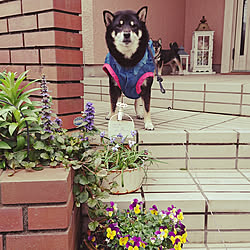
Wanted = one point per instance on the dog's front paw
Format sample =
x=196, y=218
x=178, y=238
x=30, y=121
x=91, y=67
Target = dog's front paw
x=108, y=116
x=149, y=126
x=139, y=116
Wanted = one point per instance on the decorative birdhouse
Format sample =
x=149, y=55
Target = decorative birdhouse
x=183, y=60
x=202, y=48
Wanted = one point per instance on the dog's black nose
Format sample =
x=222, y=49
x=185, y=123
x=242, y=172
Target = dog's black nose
x=126, y=35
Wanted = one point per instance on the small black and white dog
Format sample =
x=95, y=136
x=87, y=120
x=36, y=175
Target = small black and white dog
x=169, y=56
x=129, y=63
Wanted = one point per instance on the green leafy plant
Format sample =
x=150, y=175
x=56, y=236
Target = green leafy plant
x=18, y=115
x=137, y=228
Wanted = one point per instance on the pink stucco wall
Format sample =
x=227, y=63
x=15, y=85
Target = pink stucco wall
x=171, y=20
x=165, y=20
x=213, y=10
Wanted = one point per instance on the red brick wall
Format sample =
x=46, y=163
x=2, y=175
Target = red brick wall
x=44, y=37
x=37, y=211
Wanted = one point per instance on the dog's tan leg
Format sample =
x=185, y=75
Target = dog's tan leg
x=179, y=66
x=139, y=108
x=147, y=121
x=173, y=67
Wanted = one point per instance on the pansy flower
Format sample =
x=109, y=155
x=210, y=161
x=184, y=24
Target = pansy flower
x=154, y=210
x=137, y=209
x=123, y=241
x=133, y=204
x=111, y=233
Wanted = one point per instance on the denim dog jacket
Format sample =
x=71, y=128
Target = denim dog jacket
x=129, y=80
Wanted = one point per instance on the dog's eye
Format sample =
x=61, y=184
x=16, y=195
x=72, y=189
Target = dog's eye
x=132, y=23
x=121, y=22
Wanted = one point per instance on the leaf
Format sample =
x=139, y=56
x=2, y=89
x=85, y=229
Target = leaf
x=20, y=142
x=83, y=197
x=98, y=162
x=102, y=173
x=20, y=156
x=2, y=164
x=44, y=156
x=60, y=140
x=83, y=180
x=53, y=163
x=93, y=225
x=39, y=145
x=75, y=167
x=12, y=128
x=4, y=145
x=17, y=115
x=91, y=202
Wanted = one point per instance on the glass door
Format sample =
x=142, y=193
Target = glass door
x=241, y=55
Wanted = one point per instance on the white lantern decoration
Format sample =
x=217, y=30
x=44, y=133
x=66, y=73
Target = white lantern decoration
x=183, y=60
x=202, y=49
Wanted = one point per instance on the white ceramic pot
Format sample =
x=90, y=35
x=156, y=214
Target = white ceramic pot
x=132, y=179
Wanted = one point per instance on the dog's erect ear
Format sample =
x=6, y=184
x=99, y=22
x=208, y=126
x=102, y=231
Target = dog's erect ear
x=108, y=17
x=175, y=44
x=142, y=13
x=170, y=45
x=159, y=41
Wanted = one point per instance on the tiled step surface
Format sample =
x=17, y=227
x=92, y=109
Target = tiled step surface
x=207, y=173
x=216, y=203
x=226, y=246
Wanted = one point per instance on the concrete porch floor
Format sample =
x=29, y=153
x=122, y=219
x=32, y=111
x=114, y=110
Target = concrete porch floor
x=207, y=173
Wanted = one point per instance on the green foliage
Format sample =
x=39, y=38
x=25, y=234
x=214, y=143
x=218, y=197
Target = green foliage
x=17, y=114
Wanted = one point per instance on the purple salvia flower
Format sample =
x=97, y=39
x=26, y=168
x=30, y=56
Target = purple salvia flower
x=89, y=118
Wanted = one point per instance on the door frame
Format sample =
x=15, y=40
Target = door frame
x=229, y=32
x=228, y=36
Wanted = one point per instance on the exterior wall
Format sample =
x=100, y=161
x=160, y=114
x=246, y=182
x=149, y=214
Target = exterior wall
x=213, y=10
x=167, y=19
x=37, y=210
x=44, y=37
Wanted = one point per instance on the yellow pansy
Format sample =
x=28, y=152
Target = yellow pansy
x=165, y=232
x=111, y=234
x=123, y=241
x=180, y=216
x=133, y=248
x=153, y=211
x=137, y=209
x=184, y=238
x=142, y=244
x=177, y=246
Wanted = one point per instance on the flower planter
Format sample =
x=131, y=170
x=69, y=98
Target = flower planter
x=132, y=179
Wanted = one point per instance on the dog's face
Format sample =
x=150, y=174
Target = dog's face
x=157, y=46
x=125, y=31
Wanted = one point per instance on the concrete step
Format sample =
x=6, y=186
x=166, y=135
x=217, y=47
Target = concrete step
x=207, y=173
x=216, y=203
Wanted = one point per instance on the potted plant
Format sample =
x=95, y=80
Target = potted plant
x=137, y=228
x=122, y=163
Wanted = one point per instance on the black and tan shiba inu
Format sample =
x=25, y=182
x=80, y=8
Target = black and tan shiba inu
x=169, y=56
x=129, y=63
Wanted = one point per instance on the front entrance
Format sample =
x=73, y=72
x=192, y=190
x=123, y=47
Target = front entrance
x=241, y=51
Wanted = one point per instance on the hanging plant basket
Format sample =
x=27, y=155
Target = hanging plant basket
x=128, y=180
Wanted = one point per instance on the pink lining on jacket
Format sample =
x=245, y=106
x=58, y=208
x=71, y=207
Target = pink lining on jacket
x=108, y=69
